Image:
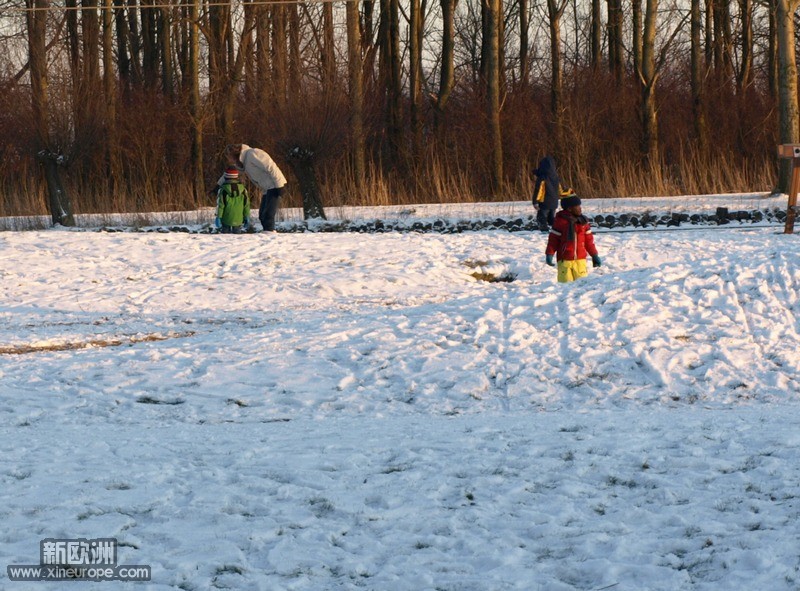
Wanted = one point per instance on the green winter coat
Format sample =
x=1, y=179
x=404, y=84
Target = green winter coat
x=233, y=204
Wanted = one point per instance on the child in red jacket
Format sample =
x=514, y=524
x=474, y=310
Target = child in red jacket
x=571, y=239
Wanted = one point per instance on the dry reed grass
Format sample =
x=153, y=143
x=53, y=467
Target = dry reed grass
x=26, y=349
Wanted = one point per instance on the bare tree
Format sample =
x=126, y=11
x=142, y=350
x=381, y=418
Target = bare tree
x=745, y=75
x=415, y=73
x=524, y=42
x=555, y=10
x=636, y=35
x=164, y=23
x=447, y=70
x=150, y=48
x=390, y=73
x=596, y=34
x=195, y=105
x=615, y=37
x=110, y=95
x=226, y=61
x=295, y=66
x=648, y=76
x=723, y=42
x=772, y=50
x=280, y=61
x=328, y=46
x=356, y=88
x=788, y=114
x=492, y=10
x=698, y=75
x=58, y=202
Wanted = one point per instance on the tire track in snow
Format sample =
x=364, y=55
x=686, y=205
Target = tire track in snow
x=770, y=326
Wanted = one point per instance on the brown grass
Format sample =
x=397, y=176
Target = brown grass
x=105, y=342
x=601, y=155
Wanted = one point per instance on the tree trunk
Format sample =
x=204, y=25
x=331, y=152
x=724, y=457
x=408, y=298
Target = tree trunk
x=723, y=44
x=262, y=53
x=788, y=115
x=251, y=82
x=195, y=106
x=36, y=20
x=329, y=76
x=356, y=88
x=167, y=70
x=524, y=43
x=396, y=80
x=615, y=53
x=279, y=57
x=368, y=36
x=137, y=75
x=597, y=35
x=447, y=75
x=295, y=63
x=772, y=51
x=301, y=162
x=648, y=83
x=709, y=30
x=235, y=71
x=123, y=41
x=556, y=90
x=415, y=74
x=73, y=42
x=636, y=35
x=390, y=74
x=493, y=13
x=150, y=53
x=698, y=79
x=91, y=46
x=58, y=201
x=746, y=69
x=501, y=46
x=110, y=91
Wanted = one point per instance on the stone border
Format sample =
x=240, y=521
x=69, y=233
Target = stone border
x=721, y=217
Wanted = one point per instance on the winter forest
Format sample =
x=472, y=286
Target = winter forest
x=129, y=103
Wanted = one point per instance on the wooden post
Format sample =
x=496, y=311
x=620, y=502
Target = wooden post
x=791, y=208
x=792, y=152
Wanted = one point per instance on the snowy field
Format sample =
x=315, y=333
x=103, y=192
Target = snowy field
x=345, y=411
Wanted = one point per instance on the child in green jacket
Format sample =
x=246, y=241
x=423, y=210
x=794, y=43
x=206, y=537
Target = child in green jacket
x=233, y=204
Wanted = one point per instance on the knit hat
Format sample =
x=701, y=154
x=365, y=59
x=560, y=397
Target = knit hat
x=231, y=173
x=570, y=201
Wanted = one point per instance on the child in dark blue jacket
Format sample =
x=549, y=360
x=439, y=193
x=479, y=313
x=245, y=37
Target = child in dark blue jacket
x=546, y=193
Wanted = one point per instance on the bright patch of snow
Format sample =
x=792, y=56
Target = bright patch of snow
x=346, y=411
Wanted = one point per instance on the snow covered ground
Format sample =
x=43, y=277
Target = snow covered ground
x=348, y=411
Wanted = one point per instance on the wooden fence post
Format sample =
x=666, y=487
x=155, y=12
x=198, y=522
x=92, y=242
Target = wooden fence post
x=791, y=151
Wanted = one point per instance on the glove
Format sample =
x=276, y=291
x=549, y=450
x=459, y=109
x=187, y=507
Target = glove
x=245, y=223
x=217, y=223
x=596, y=262
x=549, y=260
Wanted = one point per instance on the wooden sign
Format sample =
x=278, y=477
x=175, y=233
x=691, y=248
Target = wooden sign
x=789, y=151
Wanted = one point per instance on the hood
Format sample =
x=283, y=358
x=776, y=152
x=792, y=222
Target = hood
x=547, y=170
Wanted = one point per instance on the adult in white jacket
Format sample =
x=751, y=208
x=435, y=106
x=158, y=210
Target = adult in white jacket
x=263, y=171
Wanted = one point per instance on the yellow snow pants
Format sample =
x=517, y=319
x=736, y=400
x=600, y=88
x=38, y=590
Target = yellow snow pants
x=571, y=270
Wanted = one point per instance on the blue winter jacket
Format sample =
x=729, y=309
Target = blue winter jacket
x=546, y=173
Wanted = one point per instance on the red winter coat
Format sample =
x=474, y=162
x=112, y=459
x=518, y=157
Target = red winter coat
x=559, y=242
